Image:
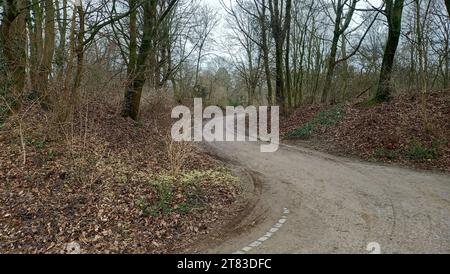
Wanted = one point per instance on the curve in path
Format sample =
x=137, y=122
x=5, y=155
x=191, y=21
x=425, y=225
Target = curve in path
x=338, y=205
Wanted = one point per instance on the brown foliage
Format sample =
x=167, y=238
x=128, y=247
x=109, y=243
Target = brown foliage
x=85, y=182
x=395, y=131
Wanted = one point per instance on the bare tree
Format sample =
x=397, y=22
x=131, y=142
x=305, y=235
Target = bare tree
x=393, y=12
x=246, y=30
x=341, y=23
x=207, y=20
x=262, y=17
x=280, y=21
x=151, y=22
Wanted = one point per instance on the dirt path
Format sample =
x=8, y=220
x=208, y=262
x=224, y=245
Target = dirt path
x=312, y=202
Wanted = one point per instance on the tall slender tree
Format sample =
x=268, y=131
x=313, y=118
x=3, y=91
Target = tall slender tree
x=341, y=23
x=151, y=22
x=393, y=12
x=280, y=21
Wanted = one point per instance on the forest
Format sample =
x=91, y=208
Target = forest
x=87, y=163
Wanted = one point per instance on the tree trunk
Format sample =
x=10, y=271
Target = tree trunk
x=339, y=30
x=446, y=66
x=288, y=69
x=394, y=12
x=48, y=51
x=279, y=32
x=13, y=32
x=36, y=47
x=262, y=12
x=330, y=71
x=133, y=91
x=133, y=36
x=133, y=46
x=197, y=67
x=279, y=77
x=265, y=50
x=79, y=53
x=60, y=54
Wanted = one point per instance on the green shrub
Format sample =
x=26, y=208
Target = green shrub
x=418, y=151
x=162, y=205
x=386, y=153
x=303, y=132
x=324, y=118
x=166, y=187
x=39, y=144
x=165, y=197
x=330, y=117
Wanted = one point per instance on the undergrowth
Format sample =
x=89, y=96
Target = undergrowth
x=325, y=118
x=182, y=193
x=419, y=151
x=416, y=151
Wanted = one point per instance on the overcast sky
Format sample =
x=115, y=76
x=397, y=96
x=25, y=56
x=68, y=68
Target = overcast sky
x=219, y=35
